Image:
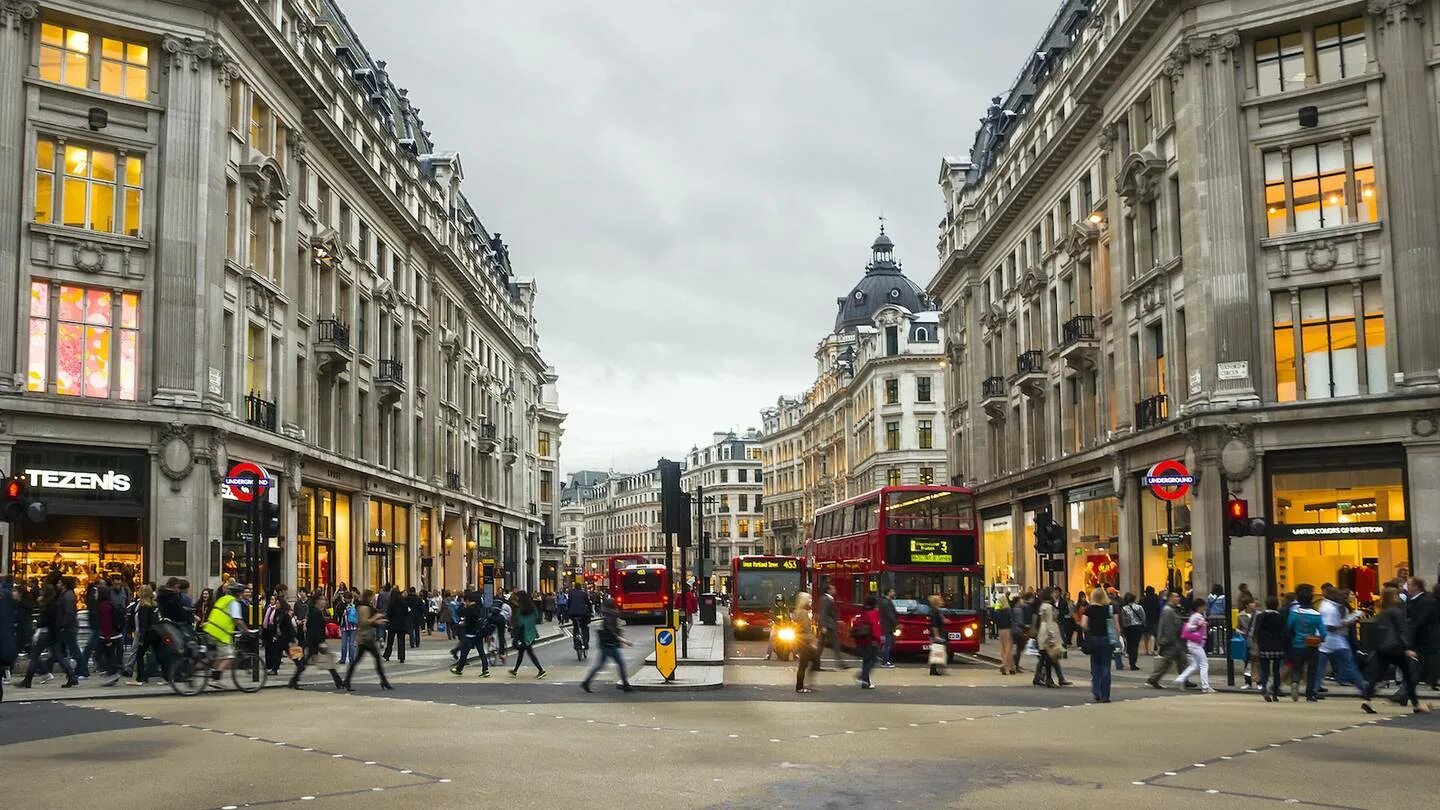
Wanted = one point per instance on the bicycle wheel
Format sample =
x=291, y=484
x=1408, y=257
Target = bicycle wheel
x=248, y=673
x=186, y=678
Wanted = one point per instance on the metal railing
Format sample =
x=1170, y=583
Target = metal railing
x=1031, y=362
x=512, y=445
x=333, y=330
x=452, y=479
x=259, y=412
x=1078, y=328
x=392, y=370
x=1151, y=412
x=993, y=388
x=487, y=431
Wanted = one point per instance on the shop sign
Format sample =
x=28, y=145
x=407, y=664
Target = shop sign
x=1383, y=530
x=1168, y=480
x=108, y=481
x=1168, y=540
x=244, y=476
x=376, y=549
x=91, y=479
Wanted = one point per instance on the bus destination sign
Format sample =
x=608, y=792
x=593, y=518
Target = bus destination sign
x=931, y=551
x=769, y=565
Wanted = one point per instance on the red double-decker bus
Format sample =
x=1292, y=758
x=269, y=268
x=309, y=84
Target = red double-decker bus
x=642, y=592
x=756, y=582
x=616, y=563
x=920, y=540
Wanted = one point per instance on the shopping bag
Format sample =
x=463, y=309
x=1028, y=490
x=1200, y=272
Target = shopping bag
x=1031, y=648
x=440, y=626
x=938, y=655
x=1238, y=648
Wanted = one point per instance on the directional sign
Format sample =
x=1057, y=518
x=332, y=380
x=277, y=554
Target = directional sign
x=665, y=652
x=1169, y=480
x=245, y=475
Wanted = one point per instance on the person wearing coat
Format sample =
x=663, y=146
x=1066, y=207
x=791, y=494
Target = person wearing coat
x=807, y=645
x=1167, y=639
x=9, y=628
x=397, y=623
x=1048, y=640
x=315, y=644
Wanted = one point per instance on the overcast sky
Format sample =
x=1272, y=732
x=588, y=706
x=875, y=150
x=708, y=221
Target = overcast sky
x=693, y=184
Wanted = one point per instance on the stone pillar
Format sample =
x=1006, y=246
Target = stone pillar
x=1131, y=543
x=1403, y=47
x=17, y=21
x=190, y=168
x=1422, y=508
x=1217, y=266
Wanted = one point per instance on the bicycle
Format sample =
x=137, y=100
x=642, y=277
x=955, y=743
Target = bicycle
x=577, y=638
x=191, y=670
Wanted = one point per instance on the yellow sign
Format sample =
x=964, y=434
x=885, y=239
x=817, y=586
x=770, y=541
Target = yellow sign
x=930, y=551
x=774, y=565
x=665, y=652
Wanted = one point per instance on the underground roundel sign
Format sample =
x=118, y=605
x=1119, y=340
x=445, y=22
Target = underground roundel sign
x=243, y=476
x=1169, y=480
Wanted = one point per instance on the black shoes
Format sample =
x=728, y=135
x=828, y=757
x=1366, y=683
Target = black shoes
x=585, y=685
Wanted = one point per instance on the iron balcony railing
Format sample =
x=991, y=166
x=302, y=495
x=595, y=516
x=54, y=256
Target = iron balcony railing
x=259, y=412
x=1078, y=328
x=512, y=445
x=993, y=388
x=1151, y=412
x=1031, y=362
x=333, y=330
x=487, y=431
x=392, y=370
x=452, y=479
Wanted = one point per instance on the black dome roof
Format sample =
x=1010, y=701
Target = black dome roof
x=882, y=285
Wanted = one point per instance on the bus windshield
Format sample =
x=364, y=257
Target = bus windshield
x=958, y=592
x=640, y=580
x=952, y=511
x=758, y=589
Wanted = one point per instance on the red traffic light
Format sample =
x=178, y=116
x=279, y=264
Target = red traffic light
x=14, y=488
x=1238, y=509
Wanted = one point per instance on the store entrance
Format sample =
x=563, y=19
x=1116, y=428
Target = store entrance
x=1358, y=566
x=82, y=547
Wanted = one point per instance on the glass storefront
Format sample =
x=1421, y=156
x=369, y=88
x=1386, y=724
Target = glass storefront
x=1093, y=525
x=390, y=535
x=322, y=539
x=1343, y=526
x=1158, y=569
x=428, y=550
x=997, y=543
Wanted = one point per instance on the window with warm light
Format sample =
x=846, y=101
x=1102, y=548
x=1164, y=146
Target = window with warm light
x=98, y=190
x=1320, y=185
x=1340, y=341
x=892, y=477
x=927, y=434
x=84, y=340
x=123, y=66
x=927, y=475
x=543, y=445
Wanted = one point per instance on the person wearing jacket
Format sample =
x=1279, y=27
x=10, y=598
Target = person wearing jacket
x=57, y=617
x=611, y=640
x=1048, y=640
x=526, y=618
x=368, y=620
x=1307, y=632
x=9, y=628
x=277, y=628
x=415, y=610
x=345, y=617
x=889, y=621
x=830, y=625
x=1167, y=638
x=867, y=632
x=807, y=646
x=1194, y=633
x=146, y=643
x=1019, y=630
x=577, y=608
x=1271, y=643
x=1422, y=611
x=1395, y=647
x=397, y=623
x=315, y=643
x=472, y=630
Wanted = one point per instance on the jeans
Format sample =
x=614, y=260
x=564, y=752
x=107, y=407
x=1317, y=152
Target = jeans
x=347, y=646
x=887, y=647
x=1199, y=662
x=608, y=654
x=868, y=657
x=1303, y=669
x=1100, y=673
x=1270, y=676
x=468, y=643
x=1345, y=669
x=1132, y=642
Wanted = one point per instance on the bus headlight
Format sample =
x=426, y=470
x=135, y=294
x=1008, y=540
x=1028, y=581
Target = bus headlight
x=786, y=634
x=741, y=624
x=897, y=632
x=969, y=631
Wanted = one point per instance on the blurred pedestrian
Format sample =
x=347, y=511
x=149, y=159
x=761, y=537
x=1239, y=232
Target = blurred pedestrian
x=1049, y=644
x=315, y=652
x=57, y=616
x=1334, y=650
x=807, y=646
x=525, y=617
x=368, y=622
x=1422, y=611
x=830, y=625
x=611, y=640
x=1173, y=653
x=1394, y=647
x=1307, y=633
x=865, y=632
x=474, y=626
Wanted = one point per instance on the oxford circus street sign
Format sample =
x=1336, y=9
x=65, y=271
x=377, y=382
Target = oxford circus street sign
x=1169, y=480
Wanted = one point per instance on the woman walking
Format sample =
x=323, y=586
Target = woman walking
x=367, y=621
x=1100, y=625
x=56, y=618
x=1132, y=626
x=1194, y=633
x=937, y=632
x=807, y=647
x=526, y=617
x=146, y=614
x=1268, y=637
x=1395, y=646
x=1047, y=639
x=1002, y=629
x=1307, y=631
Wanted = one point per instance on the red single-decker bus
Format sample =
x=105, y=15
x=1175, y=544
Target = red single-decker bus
x=757, y=582
x=919, y=540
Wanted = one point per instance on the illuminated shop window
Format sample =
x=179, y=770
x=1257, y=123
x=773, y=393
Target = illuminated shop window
x=94, y=356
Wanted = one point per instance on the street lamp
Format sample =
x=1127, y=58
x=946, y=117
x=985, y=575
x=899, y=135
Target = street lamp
x=469, y=561
x=445, y=561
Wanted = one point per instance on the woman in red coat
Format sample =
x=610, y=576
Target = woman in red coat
x=865, y=633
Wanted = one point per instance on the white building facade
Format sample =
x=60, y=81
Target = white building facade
x=226, y=239
x=727, y=476
x=622, y=516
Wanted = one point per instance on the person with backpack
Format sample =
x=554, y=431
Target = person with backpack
x=1132, y=627
x=347, y=618
x=526, y=617
x=611, y=640
x=1394, y=647
x=1306, y=628
x=1194, y=633
x=865, y=633
x=475, y=627
x=368, y=620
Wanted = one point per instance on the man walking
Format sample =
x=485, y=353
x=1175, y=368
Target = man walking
x=474, y=626
x=611, y=640
x=829, y=624
x=1422, y=614
x=1336, y=616
x=1167, y=636
x=889, y=620
x=397, y=617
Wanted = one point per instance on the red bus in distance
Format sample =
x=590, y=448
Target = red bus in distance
x=642, y=592
x=920, y=540
x=756, y=581
x=616, y=563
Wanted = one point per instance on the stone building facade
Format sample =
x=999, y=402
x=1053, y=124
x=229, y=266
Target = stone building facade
x=227, y=242
x=622, y=516
x=727, y=474
x=1196, y=232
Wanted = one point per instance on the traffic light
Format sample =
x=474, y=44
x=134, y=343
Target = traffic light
x=673, y=514
x=1049, y=535
x=1237, y=517
x=16, y=503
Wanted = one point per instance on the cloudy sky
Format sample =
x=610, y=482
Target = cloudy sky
x=693, y=184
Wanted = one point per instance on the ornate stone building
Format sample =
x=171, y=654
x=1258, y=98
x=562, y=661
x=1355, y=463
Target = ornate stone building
x=229, y=244
x=1196, y=232
x=875, y=413
x=728, y=470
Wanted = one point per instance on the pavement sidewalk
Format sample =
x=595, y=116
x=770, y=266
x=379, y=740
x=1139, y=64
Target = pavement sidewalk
x=704, y=668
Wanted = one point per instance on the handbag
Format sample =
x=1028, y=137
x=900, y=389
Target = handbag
x=295, y=652
x=939, y=656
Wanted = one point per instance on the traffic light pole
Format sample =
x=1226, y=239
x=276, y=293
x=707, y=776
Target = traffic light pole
x=1225, y=562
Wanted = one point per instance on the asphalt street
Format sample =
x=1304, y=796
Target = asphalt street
x=971, y=738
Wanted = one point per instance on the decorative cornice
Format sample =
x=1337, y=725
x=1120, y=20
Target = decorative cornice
x=1394, y=12
x=192, y=53
x=1207, y=49
x=17, y=13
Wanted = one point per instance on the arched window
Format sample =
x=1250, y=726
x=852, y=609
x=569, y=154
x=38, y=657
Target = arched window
x=922, y=335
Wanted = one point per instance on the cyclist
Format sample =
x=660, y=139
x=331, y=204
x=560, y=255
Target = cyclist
x=226, y=617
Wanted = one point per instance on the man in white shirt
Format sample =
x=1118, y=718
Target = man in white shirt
x=1335, y=614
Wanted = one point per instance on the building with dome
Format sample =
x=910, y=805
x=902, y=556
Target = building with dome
x=875, y=414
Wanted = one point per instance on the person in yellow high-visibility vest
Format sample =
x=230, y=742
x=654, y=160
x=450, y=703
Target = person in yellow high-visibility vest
x=226, y=617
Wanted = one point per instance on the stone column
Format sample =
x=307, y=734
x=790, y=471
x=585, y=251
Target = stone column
x=1218, y=266
x=17, y=20
x=182, y=309
x=1131, y=543
x=1422, y=508
x=1403, y=47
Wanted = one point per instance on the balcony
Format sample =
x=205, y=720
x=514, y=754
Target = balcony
x=1151, y=412
x=1078, y=346
x=259, y=412
x=534, y=510
x=390, y=381
x=1030, y=372
x=512, y=450
x=332, y=346
x=452, y=480
x=486, y=438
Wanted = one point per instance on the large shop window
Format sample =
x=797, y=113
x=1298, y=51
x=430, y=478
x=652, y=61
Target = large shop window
x=1159, y=569
x=1094, y=530
x=387, y=553
x=1320, y=185
x=998, y=552
x=1339, y=325
x=84, y=547
x=1346, y=527
x=93, y=335
x=95, y=189
x=67, y=56
x=322, y=540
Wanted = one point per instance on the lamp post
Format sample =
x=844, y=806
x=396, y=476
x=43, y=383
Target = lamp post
x=469, y=561
x=445, y=561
